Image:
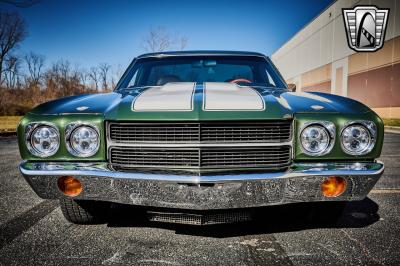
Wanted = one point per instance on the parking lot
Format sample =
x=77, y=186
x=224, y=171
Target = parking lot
x=34, y=232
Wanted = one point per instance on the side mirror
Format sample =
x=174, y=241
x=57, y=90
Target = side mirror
x=292, y=87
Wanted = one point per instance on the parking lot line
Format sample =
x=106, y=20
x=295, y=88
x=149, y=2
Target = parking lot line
x=385, y=191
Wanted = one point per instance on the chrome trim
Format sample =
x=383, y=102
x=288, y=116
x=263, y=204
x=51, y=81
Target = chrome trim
x=331, y=130
x=372, y=130
x=28, y=134
x=300, y=183
x=296, y=170
x=201, y=163
x=199, y=145
x=229, y=145
x=69, y=129
x=163, y=55
x=110, y=142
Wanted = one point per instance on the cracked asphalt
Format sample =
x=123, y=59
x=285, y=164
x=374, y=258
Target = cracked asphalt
x=34, y=232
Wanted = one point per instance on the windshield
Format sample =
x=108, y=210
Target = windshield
x=241, y=70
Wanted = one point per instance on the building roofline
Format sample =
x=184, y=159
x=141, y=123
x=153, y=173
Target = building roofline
x=302, y=28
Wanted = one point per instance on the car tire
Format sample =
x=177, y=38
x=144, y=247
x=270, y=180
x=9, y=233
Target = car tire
x=328, y=212
x=84, y=212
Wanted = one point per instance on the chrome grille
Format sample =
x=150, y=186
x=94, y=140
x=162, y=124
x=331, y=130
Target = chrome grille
x=271, y=157
x=221, y=217
x=204, y=132
x=136, y=157
x=136, y=132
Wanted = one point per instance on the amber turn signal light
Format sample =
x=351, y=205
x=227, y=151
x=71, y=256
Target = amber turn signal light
x=70, y=186
x=333, y=186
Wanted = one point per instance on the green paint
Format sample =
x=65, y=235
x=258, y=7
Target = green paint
x=280, y=104
x=337, y=154
x=61, y=121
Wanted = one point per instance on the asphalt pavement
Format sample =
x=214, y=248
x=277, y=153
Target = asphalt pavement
x=34, y=232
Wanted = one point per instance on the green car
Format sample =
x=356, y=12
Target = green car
x=200, y=137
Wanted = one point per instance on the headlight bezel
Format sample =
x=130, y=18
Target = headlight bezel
x=70, y=128
x=30, y=130
x=371, y=128
x=330, y=129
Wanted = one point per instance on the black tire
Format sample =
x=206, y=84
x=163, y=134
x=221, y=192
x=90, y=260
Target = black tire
x=328, y=212
x=84, y=212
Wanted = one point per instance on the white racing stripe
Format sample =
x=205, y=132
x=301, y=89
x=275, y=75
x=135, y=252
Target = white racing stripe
x=222, y=96
x=169, y=97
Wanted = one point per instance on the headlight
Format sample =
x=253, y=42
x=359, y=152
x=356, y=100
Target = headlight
x=358, y=138
x=317, y=138
x=42, y=140
x=82, y=140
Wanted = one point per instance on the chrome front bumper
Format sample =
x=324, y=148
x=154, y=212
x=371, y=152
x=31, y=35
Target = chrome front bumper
x=300, y=183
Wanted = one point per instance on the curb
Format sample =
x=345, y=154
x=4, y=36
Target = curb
x=8, y=134
x=392, y=129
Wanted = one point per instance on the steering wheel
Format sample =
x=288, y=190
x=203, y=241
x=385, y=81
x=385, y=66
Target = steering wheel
x=236, y=81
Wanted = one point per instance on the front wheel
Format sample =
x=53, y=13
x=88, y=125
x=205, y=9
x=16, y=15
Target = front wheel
x=84, y=212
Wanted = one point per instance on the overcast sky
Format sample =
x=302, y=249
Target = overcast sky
x=89, y=32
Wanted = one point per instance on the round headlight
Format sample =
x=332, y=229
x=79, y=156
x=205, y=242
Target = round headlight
x=44, y=141
x=315, y=140
x=84, y=141
x=356, y=140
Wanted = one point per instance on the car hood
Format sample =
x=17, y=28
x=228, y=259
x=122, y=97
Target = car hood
x=209, y=101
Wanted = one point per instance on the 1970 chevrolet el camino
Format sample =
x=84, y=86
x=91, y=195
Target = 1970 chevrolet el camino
x=190, y=133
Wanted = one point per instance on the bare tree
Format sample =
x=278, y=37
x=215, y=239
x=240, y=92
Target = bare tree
x=83, y=76
x=35, y=63
x=183, y=41
x=160, y=39
x=94, y=76
x=60, y=77
x=116, y=73
x=11, y=71
x=12, y=32
x=157, y=40
x=64, y=68
x=104, y=68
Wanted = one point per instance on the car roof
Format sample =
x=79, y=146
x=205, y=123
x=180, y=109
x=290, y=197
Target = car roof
x=200, y=53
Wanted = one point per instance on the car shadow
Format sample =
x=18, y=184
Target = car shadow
x=267, y=220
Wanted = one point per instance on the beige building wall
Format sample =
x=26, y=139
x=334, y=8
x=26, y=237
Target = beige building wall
x=318, y=58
